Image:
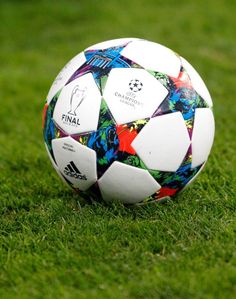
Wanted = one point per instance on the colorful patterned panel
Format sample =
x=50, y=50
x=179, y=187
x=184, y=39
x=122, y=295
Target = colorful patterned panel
x=100, y=63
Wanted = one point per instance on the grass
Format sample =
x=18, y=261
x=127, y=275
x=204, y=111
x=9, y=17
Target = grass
x=52, y=248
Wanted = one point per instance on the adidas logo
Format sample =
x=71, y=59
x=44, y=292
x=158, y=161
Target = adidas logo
x=72, y=171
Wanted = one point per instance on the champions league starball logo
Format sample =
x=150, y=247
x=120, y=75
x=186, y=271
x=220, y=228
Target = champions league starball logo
x=131, y=96
x=135, y=85
x=77, y=97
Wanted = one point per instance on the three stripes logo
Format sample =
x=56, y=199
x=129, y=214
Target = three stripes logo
x=72, y=171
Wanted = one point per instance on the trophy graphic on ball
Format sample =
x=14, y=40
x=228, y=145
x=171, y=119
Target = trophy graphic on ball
x=76, y=99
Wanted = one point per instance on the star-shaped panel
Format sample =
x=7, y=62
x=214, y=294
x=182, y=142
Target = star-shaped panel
x=173, y=182
x=111, y=141
x=100, y=62
x=103, y=141
x=50, y=129
x=181, y=97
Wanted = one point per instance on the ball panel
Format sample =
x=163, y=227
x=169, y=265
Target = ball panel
x=173, y=182
x=199, y=170
x=112, y=142
x=126, y=183
x=203, y=135
x=197, y=82
x=162, y=144
x=111, y=43
x=76, y=162
x=55, y=165
x=100, y=62
x=77, y=108
x=133, y=94
x=50, y=130
x=182, y=97
x=65, y=74
x=153, y=56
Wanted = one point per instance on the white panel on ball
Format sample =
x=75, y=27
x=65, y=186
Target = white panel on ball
x=197, y=82
x=55, y=165
x=127, y=184
x=133, y=94
x=203, y=135
x=65, y=74
x=111, y=43
x=76, y=161
x=163, y=142
x=78, y=106
x=153, y=56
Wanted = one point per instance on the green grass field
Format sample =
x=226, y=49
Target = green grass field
x=52, y=248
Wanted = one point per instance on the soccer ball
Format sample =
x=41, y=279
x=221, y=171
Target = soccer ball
x=128, y=120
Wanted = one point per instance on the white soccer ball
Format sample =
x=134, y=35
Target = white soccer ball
x=128, y=120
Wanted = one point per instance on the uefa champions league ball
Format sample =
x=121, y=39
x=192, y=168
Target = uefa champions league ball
x=128, y=120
